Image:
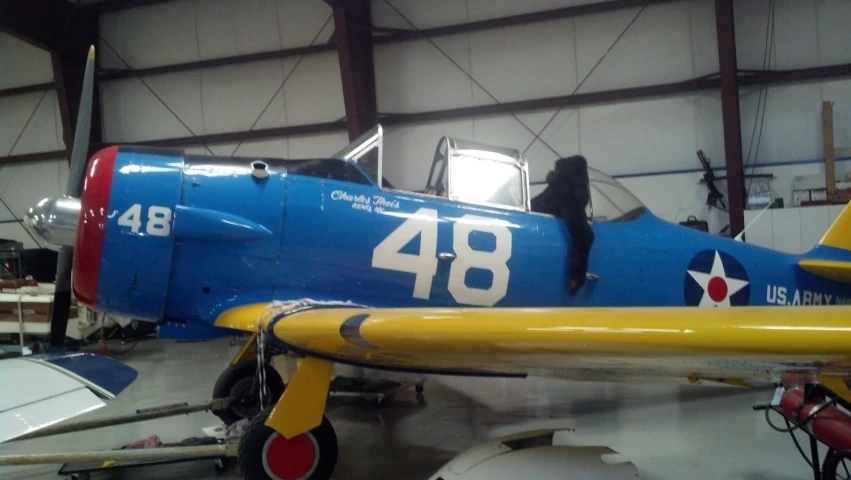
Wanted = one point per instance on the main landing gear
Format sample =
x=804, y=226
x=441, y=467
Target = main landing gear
x=264, y=454
x=282, y=437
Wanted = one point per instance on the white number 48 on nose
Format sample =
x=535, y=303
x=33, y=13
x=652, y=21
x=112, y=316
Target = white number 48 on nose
x=158, y=220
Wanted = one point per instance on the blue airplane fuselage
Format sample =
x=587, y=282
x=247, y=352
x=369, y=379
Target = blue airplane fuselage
x=190, y=237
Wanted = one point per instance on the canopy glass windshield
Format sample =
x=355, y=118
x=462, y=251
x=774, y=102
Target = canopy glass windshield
x=610, y=200
x=474, y=178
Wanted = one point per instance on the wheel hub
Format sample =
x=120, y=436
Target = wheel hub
x=247, y=405
x=293, y=459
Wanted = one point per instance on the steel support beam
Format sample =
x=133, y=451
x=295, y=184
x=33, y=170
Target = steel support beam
x=10, y=92
x=730, y=113
x=522, y=19
x=353, y=37
x=33, y=157
x=396, y=37
x=769, y=77
x=217, y=62
x=118, y=5
x=38, y=22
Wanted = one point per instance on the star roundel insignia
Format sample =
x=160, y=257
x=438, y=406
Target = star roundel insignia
x=716, y=279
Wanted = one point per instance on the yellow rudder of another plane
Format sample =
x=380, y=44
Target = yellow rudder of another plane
x=839, y=234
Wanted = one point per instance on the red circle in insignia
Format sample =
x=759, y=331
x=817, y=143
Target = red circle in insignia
x=717, y=289
x=290, y=459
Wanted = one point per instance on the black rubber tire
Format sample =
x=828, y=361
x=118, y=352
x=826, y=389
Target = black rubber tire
x=830, y=467
x=254, y=439
x=828, y=459
x=232, y=375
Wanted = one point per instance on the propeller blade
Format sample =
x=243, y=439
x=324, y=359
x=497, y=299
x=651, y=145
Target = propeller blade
x=82, y=136
x=74, y=188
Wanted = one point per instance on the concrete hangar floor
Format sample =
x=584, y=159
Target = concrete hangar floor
x=668, y=432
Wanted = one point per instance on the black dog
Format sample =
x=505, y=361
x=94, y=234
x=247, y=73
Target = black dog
x=566, y=196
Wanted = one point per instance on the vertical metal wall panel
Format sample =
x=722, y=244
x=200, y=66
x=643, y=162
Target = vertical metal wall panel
x=657, y=47
x=538, y=62
x=22, y=64
x=834, y=36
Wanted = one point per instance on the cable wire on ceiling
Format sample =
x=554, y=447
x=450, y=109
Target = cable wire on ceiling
x=769, y=51
x=537, y=136
x=32, y=114
x=618, y=39
x=269, y=103
x=429, y=40
x=164, y=104
x=765, y=57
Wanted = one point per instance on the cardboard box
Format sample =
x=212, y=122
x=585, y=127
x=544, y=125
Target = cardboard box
x=16, y=283
x=800, y=196
x=818, y=195
x=36, y=308
x=808, y=182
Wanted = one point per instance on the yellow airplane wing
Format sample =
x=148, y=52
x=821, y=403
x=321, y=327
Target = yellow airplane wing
x=742, y=345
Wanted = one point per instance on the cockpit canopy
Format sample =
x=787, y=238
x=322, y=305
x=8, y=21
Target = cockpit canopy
x=476, y=173
x=611, y=201
x=472, y=172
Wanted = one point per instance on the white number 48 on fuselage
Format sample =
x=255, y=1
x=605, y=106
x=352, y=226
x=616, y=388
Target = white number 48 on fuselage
x=424, y=223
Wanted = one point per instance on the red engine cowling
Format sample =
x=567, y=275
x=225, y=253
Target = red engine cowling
x=124, y=245
x=90, y=231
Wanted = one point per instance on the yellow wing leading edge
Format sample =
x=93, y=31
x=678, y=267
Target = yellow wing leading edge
x=740, y=342
x=630, y=332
